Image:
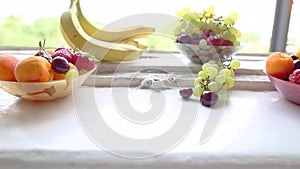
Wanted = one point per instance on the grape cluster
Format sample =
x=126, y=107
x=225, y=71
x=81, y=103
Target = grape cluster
x=211, y=79
x=217, y=31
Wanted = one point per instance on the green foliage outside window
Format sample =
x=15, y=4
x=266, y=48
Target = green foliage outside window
x=15, y=32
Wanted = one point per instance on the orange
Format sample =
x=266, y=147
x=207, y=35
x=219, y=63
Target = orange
x=279, y=65
x=7, y=67
x=34, y=69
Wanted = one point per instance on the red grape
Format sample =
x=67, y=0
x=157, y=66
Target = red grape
x=195, y=41
x=209, y=98
x=184, y=38
x=60, y=64
x=295, y=76
x=186, y=93
x=294, y=57
x=220, y=42
x=45, y=55
x=208, y=33
x=63, y=52
x=296, y=64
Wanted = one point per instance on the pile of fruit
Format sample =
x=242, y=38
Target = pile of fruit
x=206, y=29
x=283, y=66
x=211, y=79
x=45, y=65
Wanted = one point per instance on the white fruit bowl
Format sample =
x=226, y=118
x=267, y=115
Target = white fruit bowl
x=203, y=54
x=45, y=91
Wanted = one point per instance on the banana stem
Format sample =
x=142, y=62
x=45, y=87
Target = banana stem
x=73, y=3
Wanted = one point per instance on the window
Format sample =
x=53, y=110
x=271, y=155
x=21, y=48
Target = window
x=255, y=20
x=293, y=42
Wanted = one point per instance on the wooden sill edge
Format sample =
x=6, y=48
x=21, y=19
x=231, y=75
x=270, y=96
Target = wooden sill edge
x=242, y=82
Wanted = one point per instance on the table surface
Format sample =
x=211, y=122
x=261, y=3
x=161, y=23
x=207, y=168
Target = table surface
x=252, y=125
x=95, y=127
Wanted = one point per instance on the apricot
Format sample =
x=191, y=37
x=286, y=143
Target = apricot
x=7, y=67
x=59, y=76
x=50, y=51
x=34, y=69
x=279, y=65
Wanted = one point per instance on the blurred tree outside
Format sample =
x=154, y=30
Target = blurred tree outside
x=15, y=32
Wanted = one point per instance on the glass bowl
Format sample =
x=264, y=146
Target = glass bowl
x=45, y=91
x=289, y=90
x=202, y=54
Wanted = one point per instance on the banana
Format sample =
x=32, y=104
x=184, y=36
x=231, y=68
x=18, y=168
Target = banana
x=121, y=36
x=105, y=51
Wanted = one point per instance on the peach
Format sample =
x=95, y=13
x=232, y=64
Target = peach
x=279, y=65
x=34, y=69
x=59, y=76
x=7, y=67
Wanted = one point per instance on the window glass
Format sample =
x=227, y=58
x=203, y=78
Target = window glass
x=255, y=18
x=293, y=43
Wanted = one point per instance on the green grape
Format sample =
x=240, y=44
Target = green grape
x=184, y=11
x=222, y=27
x=236, y=43
x=196, y=23
x=182, y=24
x=220, y=79
x=229, y=82
x=228, y=21
x=228, y=36
x=213, y=86
x=202, y=42
x=203, y=74
x=234, y=16
x=202, y=25
x=212, y=62
x=212, y=72
x=232, y=72
x=212, y=25
x=238, y=33
x=205, y=66
x=200, y=81
x=190, y=29
x=194, y=15
x=225, y=72
x=177, y=31
x=235, y=64
x=215, y=66
x=187, y=17
x=72, y=73
x=198, y=90
x=232, y=30
x=211, y=10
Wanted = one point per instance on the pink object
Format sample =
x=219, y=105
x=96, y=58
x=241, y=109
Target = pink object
x=291, y=91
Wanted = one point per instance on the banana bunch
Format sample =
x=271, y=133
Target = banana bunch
x=115, y=45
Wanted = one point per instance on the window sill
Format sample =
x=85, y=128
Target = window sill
x=161, y=66
x=51, y=134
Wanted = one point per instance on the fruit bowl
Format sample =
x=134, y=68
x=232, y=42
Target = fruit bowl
x=289, y=90
x=203, y=54
x=45, y=91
